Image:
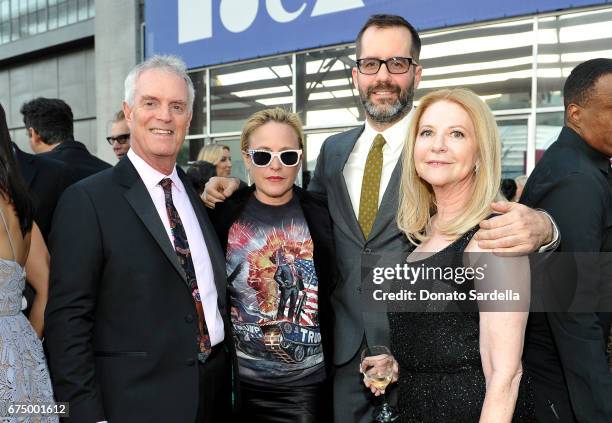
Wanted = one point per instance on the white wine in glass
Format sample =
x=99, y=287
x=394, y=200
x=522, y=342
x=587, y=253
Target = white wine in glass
x=379, y=381
x=377, y=369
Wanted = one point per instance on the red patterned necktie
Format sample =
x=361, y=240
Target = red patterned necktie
x=183, y=253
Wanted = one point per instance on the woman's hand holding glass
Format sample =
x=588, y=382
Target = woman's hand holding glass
x=378, y=372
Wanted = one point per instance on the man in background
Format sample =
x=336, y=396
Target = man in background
x=50, y=127
x=119, y=137
x=565, y=353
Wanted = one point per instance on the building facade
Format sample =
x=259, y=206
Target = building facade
x=76, y=50
x=246, y=55
x=515, y=59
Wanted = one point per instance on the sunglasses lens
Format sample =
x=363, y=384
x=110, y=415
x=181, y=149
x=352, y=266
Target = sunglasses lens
x=261, y=158
x=289, y=158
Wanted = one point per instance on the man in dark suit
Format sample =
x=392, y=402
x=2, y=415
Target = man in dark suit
x=47, y=179
x=51, y=132
x=139, y=337
x=565, y=353
x=386, y=84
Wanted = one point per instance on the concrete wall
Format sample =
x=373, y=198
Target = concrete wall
x=68, y=75
x=117, y=50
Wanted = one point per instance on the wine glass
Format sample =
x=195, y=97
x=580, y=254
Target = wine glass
x=377, y=369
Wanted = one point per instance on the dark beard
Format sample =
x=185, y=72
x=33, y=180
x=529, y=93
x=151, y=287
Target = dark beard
x=388, y=113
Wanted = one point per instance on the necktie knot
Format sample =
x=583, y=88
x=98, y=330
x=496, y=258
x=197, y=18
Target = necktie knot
x=166, y=184
x=379, y=142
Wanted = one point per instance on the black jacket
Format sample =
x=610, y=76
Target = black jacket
x=47, y=179
x=565, y=352
x=317, y=217
x=81, y=161
x=120, y=327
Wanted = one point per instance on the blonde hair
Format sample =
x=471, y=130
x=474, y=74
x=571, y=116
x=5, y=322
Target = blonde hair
x=262, y=117
x=417, y=202
x=212, y=153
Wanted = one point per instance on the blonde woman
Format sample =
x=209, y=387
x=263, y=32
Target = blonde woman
x=465, y=365
x=280, y=265
x=219, y=155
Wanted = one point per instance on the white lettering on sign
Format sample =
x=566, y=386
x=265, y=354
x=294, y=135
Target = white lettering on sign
x=278, y=12
x=195, y=16
x=238, y=15
x=195, y=20
x=325, y=7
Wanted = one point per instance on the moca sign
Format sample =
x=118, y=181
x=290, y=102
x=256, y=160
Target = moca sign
x=195, y=17
x=210, y=32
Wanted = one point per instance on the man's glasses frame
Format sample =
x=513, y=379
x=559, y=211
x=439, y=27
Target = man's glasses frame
x=121, y=139
x=263, y=158
x=395, y=65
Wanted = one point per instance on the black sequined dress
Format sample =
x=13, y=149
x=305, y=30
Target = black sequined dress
x=441, y=378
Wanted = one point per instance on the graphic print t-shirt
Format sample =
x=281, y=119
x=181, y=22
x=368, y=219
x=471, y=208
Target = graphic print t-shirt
x=274, y=296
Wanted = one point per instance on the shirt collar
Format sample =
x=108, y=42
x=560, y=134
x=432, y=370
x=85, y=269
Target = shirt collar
x=395, y=135
x=150, y=176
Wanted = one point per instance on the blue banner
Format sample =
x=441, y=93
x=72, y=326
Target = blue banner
x=208, y=32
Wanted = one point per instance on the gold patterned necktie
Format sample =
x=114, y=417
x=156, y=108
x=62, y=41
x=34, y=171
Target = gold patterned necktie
x=370, y=186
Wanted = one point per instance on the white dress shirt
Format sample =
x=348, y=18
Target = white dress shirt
x=395, y=137
x=197, y=245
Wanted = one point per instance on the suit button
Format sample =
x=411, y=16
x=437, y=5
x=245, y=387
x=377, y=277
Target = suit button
x=189, y=318
x=367, y=251
x=191, y=361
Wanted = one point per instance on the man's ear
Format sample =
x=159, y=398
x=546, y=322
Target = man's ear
x=34, y=136
x=418, y=71
x=354, y=73
x=573, y=115
x=127, y=111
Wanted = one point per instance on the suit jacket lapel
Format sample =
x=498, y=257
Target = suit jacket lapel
x=339, y=182
x=139, y=199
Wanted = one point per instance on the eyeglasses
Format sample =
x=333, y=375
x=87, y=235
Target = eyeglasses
x=396, y=65
x=263, y=158
x=121, y=139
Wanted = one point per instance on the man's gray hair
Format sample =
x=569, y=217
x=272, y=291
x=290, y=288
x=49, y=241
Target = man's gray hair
x=167, y=63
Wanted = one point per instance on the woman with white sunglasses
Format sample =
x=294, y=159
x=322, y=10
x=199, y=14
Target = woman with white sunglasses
x=279, y=254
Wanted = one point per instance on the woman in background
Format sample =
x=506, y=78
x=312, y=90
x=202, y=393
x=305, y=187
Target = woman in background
x=24, y=377
x=219, y=155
